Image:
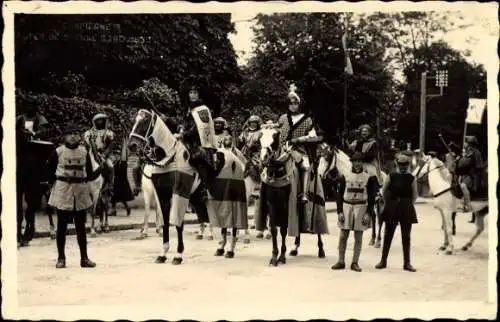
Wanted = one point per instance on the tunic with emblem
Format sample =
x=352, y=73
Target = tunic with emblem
x=72, y=170
x=357, y=193
x=102, y=138
x=400, y=192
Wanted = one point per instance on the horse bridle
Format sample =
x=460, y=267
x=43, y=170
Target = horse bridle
x=419, y=177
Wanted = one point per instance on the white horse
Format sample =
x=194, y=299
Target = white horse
x=100, y=197
x=340, y=161
x=440, y=185
x=150, y=197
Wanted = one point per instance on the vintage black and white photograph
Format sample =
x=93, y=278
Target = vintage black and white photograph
x=248, y=160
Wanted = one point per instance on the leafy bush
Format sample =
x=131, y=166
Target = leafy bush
x=69, y=85
x=237, y=117
x=68, y=112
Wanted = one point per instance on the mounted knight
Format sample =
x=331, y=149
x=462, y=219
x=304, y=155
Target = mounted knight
x=367, y=145
x=101, y=141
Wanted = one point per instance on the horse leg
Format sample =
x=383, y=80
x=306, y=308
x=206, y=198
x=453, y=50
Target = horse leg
x=201, y=232
x=453, y=223
x=321, y=250
x=222, y=243
x=180, y=244
x=479, y=229
x=443, y=224
x=127, y=208
x=234, y=239
x=162, y=258
x=295, y=250
x=374, y=229
x=147, y=208
x=283, y=232
x=274, y=234
x=380, y=223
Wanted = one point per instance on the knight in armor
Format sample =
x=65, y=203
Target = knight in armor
x=355, y=203
x=295, y=127
x=101, y=139
x=221, y=129
x=469, y=168
x=249, y=139
x=367, y=145
x=452, y=157
x=70, y=169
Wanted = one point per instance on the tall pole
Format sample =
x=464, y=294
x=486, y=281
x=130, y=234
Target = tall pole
x=423, y=99
x=344, y=134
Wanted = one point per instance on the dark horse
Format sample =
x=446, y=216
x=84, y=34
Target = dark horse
x=31, y=173
x=279, y=200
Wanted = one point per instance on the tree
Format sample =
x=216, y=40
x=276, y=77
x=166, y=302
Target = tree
x=117, y=52
x=445, y=114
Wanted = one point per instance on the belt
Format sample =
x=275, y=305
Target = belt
x=355, y=202
x=72, y=180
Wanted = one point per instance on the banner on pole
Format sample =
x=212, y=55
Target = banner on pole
x=475, y=110
x=348, y=65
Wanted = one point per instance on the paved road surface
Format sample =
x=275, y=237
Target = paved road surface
x=127, y=275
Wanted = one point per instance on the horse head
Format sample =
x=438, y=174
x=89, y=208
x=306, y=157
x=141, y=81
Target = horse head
x=152, y=139
x=270, y=146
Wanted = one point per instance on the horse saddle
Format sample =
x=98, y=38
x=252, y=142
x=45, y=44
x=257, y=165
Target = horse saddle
x=456, y=190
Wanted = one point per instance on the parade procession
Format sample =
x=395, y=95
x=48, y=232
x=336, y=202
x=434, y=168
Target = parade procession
x=175, y=153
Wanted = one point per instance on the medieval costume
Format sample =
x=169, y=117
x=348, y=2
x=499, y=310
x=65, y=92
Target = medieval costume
x=101, y=140
x=249, y=139
x=355, y=202
x=400, y=193
x=221, y=129
x=71, y=169
x=367, y=145
x=469, y=168
x=29, y=126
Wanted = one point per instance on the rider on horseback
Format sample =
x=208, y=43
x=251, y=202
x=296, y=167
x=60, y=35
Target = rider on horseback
x=249, y=139
x=367, y=145
x=221, y=131
x=294, y=128
x=469, y=168
x=100, y=140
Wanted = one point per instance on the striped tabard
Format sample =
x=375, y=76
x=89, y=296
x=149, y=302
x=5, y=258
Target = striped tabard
x=289, y=131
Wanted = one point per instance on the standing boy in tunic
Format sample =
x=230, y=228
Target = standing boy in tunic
x=70, y=169
x=355, y=202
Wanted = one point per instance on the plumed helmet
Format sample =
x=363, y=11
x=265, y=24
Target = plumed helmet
x=402, y=159
x=357, y=156
x=254, y=118
x=292, y=94
x=99, y=116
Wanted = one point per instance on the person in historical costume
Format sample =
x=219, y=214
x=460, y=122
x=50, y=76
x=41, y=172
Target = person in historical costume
x=355, y=204
x=121, y=190
x=29, y=126
x=101, y=140
x=469, y=168
x=451, y=158
x=221, y=128
x=295, y=127
x=399, y=193
x=70, y=168
x=249, y=139
x=367, y=145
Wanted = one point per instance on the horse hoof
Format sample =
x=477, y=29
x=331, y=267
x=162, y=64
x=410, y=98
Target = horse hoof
x=219, y=252
x=378, y=244
x=199, y=237
x=246, y=241
x=294, y=252
x=371, y=243
x=282, y=259
x=465, y=248
x=273, y=262
x=252, y=227
x=260, y=236
x=210, y=238
x=321, y=253
x=106, y=229
x=269, y=236
x=230, y=254
x=52, y=236
x=160, y=259
x=177, y=261
x=93, y=234
x=449, y=252
x=442, y=248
